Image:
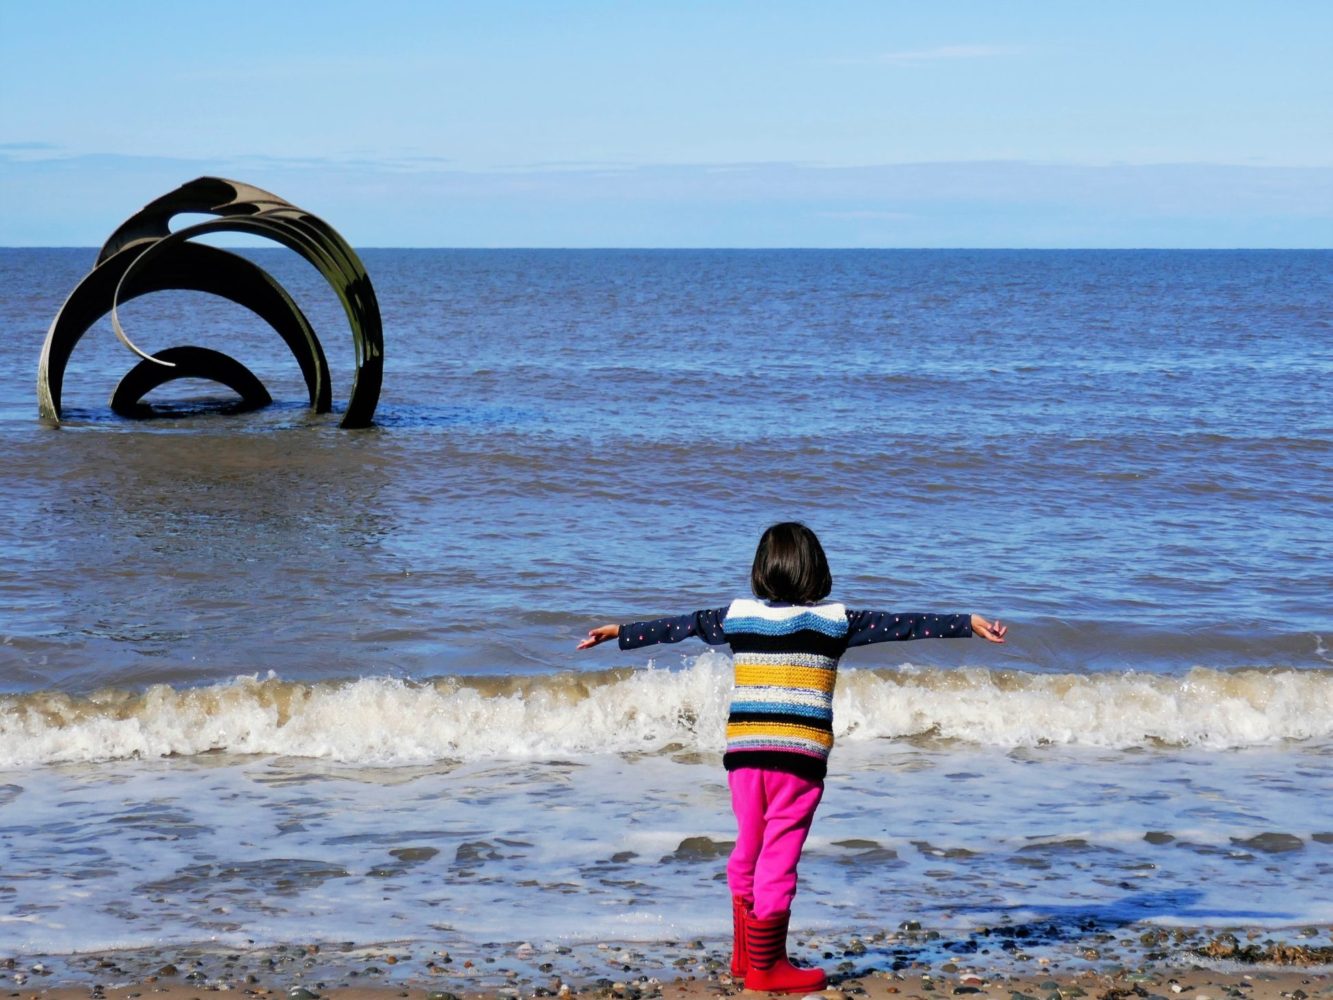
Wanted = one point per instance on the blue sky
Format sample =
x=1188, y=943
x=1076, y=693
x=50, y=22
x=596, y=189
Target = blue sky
x=679, y=123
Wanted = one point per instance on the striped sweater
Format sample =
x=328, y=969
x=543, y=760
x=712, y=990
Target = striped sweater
x=786, y=664
x=786, y=661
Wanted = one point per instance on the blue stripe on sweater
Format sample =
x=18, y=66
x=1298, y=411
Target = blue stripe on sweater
x=765, y=626
x=781, y=708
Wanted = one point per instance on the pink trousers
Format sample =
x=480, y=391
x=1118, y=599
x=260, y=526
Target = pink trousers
x=773, y=814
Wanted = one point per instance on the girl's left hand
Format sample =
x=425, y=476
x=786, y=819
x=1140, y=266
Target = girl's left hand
x=990, y=631
x=600, y=634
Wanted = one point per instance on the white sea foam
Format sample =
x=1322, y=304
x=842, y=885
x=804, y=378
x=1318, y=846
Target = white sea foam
x=1204, y=708
x=389, y=721
x=235, y=849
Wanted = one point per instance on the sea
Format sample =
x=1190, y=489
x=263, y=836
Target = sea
x=265, y=682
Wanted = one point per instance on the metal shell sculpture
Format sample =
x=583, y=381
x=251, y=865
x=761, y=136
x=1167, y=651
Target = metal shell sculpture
x=144, y=255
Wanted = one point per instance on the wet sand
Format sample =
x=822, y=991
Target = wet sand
x=1125, y=963
x=1192, y=984
x=1189, y=984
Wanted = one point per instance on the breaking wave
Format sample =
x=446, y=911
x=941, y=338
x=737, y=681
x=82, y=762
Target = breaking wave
x=389, y=721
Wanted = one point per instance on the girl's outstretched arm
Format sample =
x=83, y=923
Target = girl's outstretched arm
x=705, y=625
x=600, y=634
x=884, y=626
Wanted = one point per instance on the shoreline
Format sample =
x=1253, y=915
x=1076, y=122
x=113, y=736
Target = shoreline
x=1185, y=984
x=1005, y=962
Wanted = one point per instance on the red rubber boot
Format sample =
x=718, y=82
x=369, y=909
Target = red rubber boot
x=740, y=956
x=770, y=971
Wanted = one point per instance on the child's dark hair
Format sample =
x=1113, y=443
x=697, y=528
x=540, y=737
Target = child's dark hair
x=790, y=566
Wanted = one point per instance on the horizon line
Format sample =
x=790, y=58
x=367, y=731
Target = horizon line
x=740, y=249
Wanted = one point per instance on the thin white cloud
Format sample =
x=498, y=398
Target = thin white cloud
x=913, y=57
x=28, y=152
x=868, y=215
x=76, y=200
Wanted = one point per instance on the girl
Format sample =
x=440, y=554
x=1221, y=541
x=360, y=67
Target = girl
x=785, y=647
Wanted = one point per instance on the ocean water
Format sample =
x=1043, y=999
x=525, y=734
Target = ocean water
x=266, y=681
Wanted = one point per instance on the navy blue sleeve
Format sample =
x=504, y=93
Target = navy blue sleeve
x=865, y=627
x=707, y=625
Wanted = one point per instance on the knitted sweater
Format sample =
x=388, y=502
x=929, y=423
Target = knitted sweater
x=786, y=663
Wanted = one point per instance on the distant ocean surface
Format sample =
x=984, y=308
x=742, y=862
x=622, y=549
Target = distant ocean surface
x=265, y=680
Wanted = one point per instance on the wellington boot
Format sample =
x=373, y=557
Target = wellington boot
x=740, y=957
x=770, y=971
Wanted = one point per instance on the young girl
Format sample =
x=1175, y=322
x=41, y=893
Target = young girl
x=785, y=647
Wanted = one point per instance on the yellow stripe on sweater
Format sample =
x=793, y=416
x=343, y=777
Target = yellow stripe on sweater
x=741, y=730
x=771, y=675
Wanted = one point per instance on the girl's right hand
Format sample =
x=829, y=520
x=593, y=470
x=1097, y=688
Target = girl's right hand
x=990, y=631
x=600, y=634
